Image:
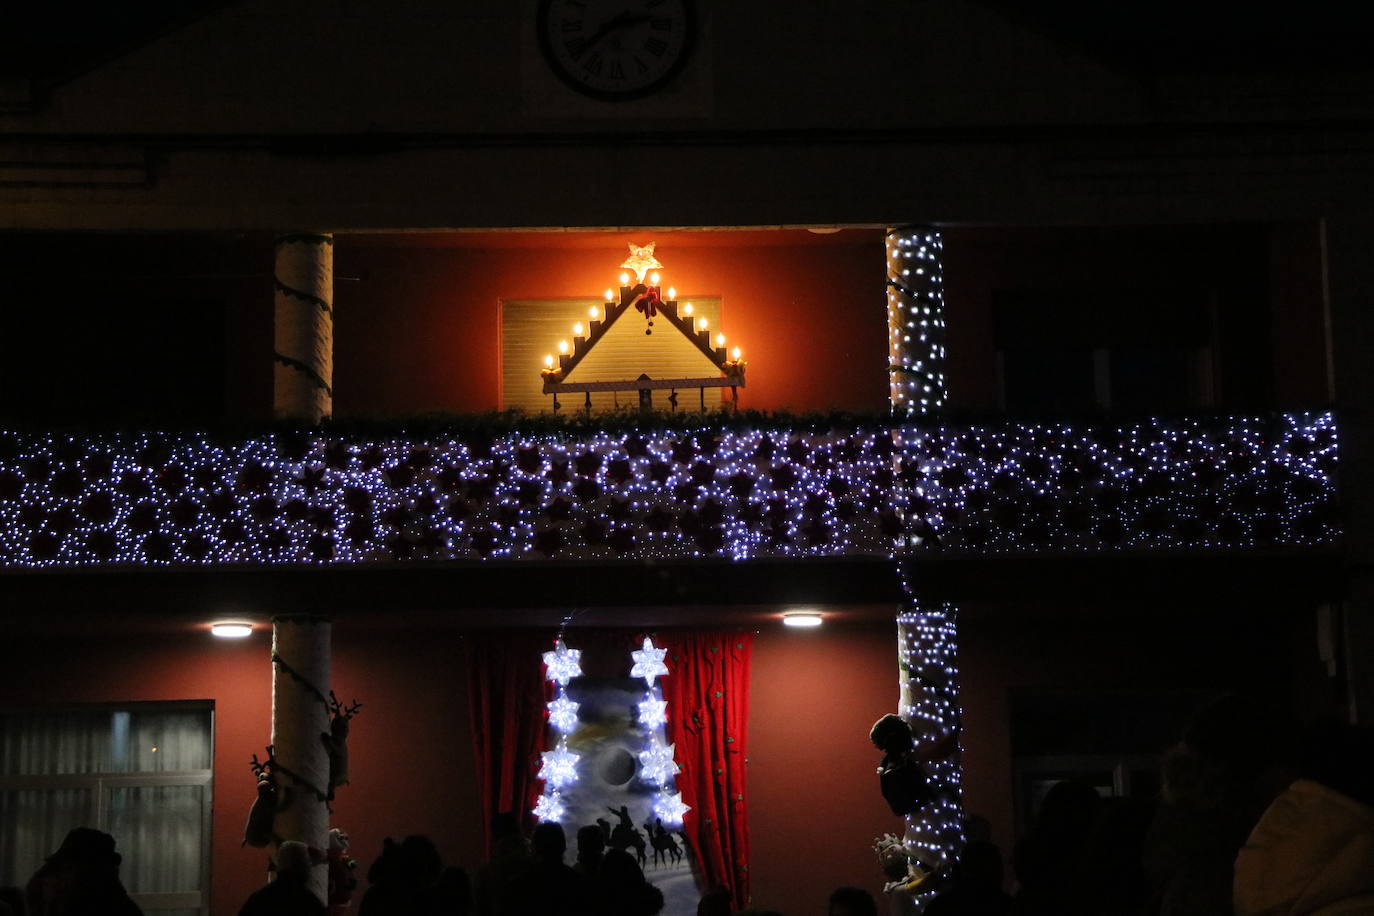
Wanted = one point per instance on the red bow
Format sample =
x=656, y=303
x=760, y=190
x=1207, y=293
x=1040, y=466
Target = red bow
x=649, y=303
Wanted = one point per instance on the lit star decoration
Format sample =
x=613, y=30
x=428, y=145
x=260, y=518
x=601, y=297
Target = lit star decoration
x=670, y=808
x=559, y=768
x=563, y=713
x=549, y=808
x=653, y=713
x=648, y=662
x=656, y=764
x=641, y=260
x=563, y=664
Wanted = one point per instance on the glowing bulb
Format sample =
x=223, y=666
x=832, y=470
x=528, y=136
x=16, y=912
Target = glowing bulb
x=231, y=630
x=736, y=354
x=624, y=279
x=610, y=296
x=720, y=340
x=701, y=323
x=548, y=362
x=801, y=620
x=672, y=293
x=562, y=346
x=577, y=329
x=653, y=278
x=687, y=309
x=594, y=312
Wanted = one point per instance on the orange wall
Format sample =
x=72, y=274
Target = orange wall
x=420, y=330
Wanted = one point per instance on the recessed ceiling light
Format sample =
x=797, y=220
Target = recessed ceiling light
x=231, y=630
x=807, y=619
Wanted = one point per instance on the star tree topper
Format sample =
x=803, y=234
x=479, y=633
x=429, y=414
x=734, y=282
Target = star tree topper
x=563, y=663
x=641, y=260
x=648, y=662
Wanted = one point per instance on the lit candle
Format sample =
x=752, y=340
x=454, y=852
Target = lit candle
x=701, y=324
x=577, y=329
x=595, y=312
x=624, y=279
x=687, y=309
x=720, y=340
x=672, y=293
x=610, y=296
x=548, y=361
x=562, y=346
x=653, y=279
x=735, y=354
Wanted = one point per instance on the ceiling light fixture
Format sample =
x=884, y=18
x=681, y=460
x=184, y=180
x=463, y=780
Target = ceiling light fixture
x=231, y=630
x=807, y=619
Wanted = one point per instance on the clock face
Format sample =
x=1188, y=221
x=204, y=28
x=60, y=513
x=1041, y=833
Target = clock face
x=616, y=49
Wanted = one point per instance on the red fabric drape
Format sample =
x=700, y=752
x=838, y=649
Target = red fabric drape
x=707, y=690
x=506, y=701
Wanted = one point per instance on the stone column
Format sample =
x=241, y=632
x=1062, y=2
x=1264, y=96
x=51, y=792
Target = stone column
x=300, y=715
x=303, y=279
x=1350, y=323
x=916, y=321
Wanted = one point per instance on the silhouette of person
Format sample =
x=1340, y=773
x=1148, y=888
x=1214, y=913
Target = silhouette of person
x=851, y=901
x=402, y=878
x=81, y=879
x=288, y=894
x=551, y=888
x=591, y=846
x=976, y=888
x=452, y=893
x=511, y=863
x=621, y=889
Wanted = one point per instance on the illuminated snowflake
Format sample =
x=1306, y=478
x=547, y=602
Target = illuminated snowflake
x=559, y=767
x=653, y=713
x=549, y=808
x=670, y=809
x=563, y=663
x=563, y=714
x=656, y=764
x=648, y=662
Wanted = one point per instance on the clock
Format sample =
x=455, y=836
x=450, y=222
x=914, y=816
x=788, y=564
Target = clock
x=616, y=49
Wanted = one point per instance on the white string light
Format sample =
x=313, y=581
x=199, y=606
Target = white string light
x=164, y=499
x=657, y=765
x=558, y=767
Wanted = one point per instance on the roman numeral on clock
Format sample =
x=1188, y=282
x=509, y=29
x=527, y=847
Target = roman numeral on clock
x=575, y=47
x=617, y=72
x=593, y=64
x=661, y=24
x=656, y=46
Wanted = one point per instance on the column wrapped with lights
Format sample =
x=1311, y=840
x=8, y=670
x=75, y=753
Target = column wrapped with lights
x=558, y=768
x=300, y=715
x=929, y=701
x=916, y=321
x=657, y=765
x=303, y=339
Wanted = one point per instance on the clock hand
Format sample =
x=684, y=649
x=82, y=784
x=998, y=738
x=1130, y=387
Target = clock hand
x=621, y=20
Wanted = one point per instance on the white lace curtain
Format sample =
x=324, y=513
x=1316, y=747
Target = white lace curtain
x=140, y=773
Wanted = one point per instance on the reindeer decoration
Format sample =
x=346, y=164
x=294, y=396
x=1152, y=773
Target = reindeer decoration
x=271, y=799
x=336, y=741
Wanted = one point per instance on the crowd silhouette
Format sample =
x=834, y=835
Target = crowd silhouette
x=1255, y=817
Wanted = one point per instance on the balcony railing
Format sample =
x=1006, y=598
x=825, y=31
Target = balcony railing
x=180, y=499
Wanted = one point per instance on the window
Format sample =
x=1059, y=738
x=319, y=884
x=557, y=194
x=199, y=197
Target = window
x=139, y=771
x=1126, y=350
x=532, y=328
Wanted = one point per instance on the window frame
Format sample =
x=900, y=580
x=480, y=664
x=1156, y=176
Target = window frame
x=102, y=784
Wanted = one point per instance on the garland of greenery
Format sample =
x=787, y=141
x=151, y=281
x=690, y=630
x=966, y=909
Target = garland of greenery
x=305, y=370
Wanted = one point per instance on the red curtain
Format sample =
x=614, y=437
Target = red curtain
x=707, y=690
x=506, y=700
